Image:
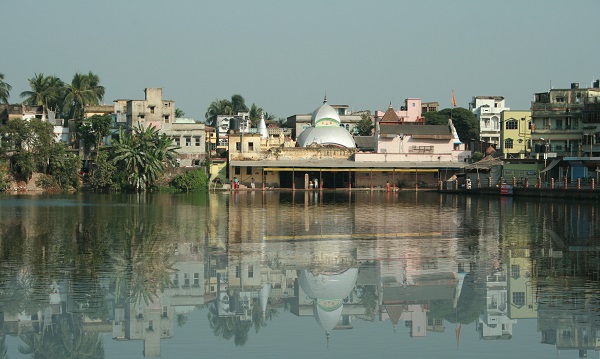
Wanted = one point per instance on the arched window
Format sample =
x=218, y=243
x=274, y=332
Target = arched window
x=508, y=143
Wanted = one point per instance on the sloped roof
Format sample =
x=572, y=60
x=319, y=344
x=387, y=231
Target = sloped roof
x=440, y=132
x=365, y=143
x=390, y=115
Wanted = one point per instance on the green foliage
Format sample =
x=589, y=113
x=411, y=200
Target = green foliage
x=64, y=168
x=226, y=107
x=47, y=91
x=4, y=181
x=365, y=125
x=22, y=165
x=83, y=90
x=92, y=130
x=477, y=156
x=190, y=181
x=470, y=304
x=179, y=112
x=143, y=155
x=104, y=177
x=435, y=118
x=465, y=123
x=46, y=182
x=368, y=298
x=4, y=89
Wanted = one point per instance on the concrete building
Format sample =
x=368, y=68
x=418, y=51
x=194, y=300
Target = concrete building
x=515, y=133
x=152, y=110
x=558, y=121
x=410, y=112
x=488, y=110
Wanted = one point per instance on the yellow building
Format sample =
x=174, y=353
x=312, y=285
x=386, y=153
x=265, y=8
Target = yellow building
x=515, y=133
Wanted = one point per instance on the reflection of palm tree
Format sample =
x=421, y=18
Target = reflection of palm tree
x=228, y=327
x=78, y=344
x=143, y=265
x=259, y=319
x=3, y=348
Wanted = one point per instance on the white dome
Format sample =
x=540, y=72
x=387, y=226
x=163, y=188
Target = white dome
x=337, y=136
x=325, y=115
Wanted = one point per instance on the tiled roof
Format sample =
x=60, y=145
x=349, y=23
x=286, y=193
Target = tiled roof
x=390, y=115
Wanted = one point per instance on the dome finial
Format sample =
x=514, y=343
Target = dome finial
x=390, y=104
x=325, y=98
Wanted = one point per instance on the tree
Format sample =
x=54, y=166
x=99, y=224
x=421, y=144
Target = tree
x=45, y=91
x=190, y=181
x=143, y=154
x=255, y=113
x=93, y=130
x=179, y=113
x=464, y=121
x=83, y=90
x=225, y=107
x=365, y=125
x=4, y=89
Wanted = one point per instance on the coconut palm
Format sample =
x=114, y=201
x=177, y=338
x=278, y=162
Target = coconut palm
x=45, y=91
x=218, y=107
x=4, y=89
x=83, y=90
x=255, y=113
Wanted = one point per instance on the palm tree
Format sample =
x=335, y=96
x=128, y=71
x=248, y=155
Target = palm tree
x=45, y=91
x=4, y=89
x=216, y=108
x=255, y=113
x=83, y=90
x=144, y=154
x=225, y=107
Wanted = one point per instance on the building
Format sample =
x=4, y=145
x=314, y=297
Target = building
x=187, y=134
x=488, y=110
x=410, y=112
x=152, y=110
x=558, y=121
x=515, y=133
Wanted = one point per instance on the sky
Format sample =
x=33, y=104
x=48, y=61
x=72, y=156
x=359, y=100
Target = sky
x=286, y=55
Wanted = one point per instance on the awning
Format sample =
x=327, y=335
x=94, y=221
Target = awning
x=551, y=165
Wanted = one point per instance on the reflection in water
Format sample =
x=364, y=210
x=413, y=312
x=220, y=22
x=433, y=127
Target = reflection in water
x=77, y=270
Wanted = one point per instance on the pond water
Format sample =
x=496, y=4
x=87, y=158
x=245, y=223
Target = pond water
x=298, y=274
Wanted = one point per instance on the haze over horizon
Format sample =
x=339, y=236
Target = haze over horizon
x=284, y=56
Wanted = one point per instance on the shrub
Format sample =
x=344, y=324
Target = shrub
x=46, y=182
x=190, y=181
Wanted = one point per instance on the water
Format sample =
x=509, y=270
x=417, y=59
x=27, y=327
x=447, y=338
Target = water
x=305, y=274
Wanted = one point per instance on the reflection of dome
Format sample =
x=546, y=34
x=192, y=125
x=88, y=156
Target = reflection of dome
x=327, y=312
x=328, y=286
x=326, y=129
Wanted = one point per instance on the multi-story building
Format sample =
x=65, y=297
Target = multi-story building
x=558, y=121
x=488, y=110
x=515, y=133
x=410, y=112
x=152, y=110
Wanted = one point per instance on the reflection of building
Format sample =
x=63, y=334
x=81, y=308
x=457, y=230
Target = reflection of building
x=568, y=316
x=493, y=322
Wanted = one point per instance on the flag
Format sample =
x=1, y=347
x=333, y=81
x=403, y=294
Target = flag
x=453, y=99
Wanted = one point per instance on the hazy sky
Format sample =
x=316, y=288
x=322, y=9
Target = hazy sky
x=284, y=55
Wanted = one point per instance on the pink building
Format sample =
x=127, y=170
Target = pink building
x=410, y=112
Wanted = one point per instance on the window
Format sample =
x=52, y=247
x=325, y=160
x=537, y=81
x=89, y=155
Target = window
x=237, y=170
x=250, y=271
x=186, y=279
x=560, y=99
x=141, y=116
x=177, y=142
x=248, y=170
x=197, y=141
x=515, y=271
x=188, y=141
x=151, y=109
x=250, y=146
x=518, y=298
x=238, y=271
x=559, y=124
x=196, y=279
x=166, y=118
x=164, y=311
x=176, y=279
x=512, y=124
x=508, y=143
x=238, y=146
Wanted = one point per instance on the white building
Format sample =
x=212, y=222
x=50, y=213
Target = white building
x=487, y=109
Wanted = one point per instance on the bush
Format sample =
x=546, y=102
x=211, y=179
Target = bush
x=190, y=181
x=46, y=182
